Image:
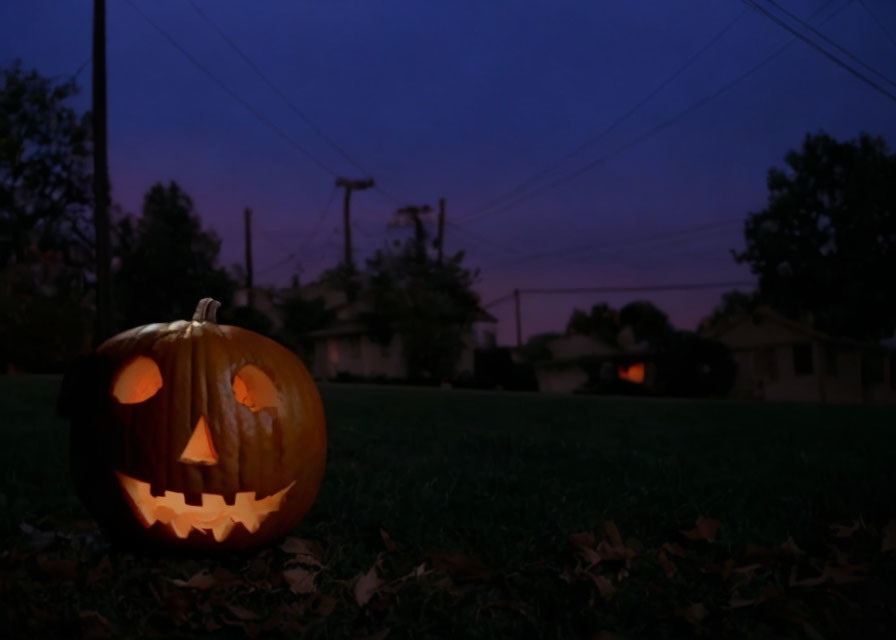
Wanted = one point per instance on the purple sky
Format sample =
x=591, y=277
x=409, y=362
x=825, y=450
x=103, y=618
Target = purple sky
x=467, y=99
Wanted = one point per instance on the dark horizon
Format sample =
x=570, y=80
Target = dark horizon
x=466, y=103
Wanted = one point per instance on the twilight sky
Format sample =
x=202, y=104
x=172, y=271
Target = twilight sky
x=468, y=100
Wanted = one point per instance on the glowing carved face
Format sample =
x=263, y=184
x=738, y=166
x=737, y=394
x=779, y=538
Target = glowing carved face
x=137, y=382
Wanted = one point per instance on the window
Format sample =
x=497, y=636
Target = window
x=830, y=361
x=802, y=359
x=765, y=364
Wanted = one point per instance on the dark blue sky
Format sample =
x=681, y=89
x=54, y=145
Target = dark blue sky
x=466, y=99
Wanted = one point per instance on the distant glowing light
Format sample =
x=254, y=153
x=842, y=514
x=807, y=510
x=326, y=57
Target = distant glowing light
x=632, y=373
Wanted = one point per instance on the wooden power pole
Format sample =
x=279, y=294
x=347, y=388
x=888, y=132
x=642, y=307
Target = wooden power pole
x=103, y=249
x=247, y=217
x=441, y=238
x=349, y=186
x=519, y=324
x=413, y=213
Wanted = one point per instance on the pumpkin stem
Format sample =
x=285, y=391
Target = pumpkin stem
x=206, y=310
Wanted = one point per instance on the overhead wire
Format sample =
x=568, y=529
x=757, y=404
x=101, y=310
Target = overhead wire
x=276, y=89
x=831, y=56
x=232, y=93
x=650, y=132
x=618, y=121
x=849, y=54
x=877, y=19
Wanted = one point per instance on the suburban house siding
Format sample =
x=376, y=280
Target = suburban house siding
x=780, y=359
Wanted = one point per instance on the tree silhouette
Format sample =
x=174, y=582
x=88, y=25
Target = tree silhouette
x=825, y=246
x=45, y=151
x=428, y=303
x=167, y=261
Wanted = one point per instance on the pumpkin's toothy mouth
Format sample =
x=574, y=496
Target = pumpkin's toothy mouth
x=213, y=515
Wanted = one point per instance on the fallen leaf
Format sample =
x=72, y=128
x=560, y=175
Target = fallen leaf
x=845, y=531
x=101, y=571
x=300, y=580
x=461, y=566
x=582, y=539
x=613, y=533
x=242, y=612
x=706, y=529
x=888, y=543
x=58, y=568
x=324, y=605
x=675, y=549
x=94, y=625
x=694, y=613
x=305, y=551
x=604, y=586
x=202, y=580
x=379, y=635
x=666, y=565
x=366, y=586
x=388, y=542
x=846, y=573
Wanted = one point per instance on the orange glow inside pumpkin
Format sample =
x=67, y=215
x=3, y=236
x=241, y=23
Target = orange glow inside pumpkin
x=633, y=372
x=200, y=448
x=253, y=388
x=213, y=516
x=138, y=381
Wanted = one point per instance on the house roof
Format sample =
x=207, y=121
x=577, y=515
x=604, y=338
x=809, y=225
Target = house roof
x=765, y=313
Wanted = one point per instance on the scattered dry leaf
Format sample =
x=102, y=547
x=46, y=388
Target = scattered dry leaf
x=461, y=566
x=845, y=531
x=300, y=580
x=694, y=613
x=366, y=586
x=202, y=580
x=242, y=612
x=706, y=529
x=305, y=551
x=604, y=586
x=388, y=542
x=666, y=565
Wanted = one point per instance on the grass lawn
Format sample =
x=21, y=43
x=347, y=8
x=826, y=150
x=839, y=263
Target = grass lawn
x=457, y=514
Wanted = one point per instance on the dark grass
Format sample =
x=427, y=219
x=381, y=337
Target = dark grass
x=506, y=478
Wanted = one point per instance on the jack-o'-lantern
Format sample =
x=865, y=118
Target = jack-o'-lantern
x=195, y=434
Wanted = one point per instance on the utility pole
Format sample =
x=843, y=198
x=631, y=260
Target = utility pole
x=519, y=327
x=247, y=216
x=441, y=238
x=413, y=213
x=103, y=252
x=350, y=185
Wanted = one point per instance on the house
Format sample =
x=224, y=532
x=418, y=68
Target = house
x=782, y=359
x=562, y=370
x=344, y=347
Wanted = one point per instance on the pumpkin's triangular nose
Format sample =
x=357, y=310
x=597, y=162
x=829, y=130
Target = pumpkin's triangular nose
x=200, y=449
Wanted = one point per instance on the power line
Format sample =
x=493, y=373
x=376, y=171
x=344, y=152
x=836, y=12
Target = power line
x=233, y=94
x=626, y=244
x=652, y=131
x=833, y=57
x=844, y=51
x=307, y=244
x=691, y=286
x=594, y=139
x=276, y=89
x=879, y=22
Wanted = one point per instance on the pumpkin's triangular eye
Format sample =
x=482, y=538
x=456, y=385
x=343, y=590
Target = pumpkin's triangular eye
x=253, y=388
x=137, y=381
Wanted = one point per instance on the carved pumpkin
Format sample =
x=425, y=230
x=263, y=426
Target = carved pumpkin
x=195, y=434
